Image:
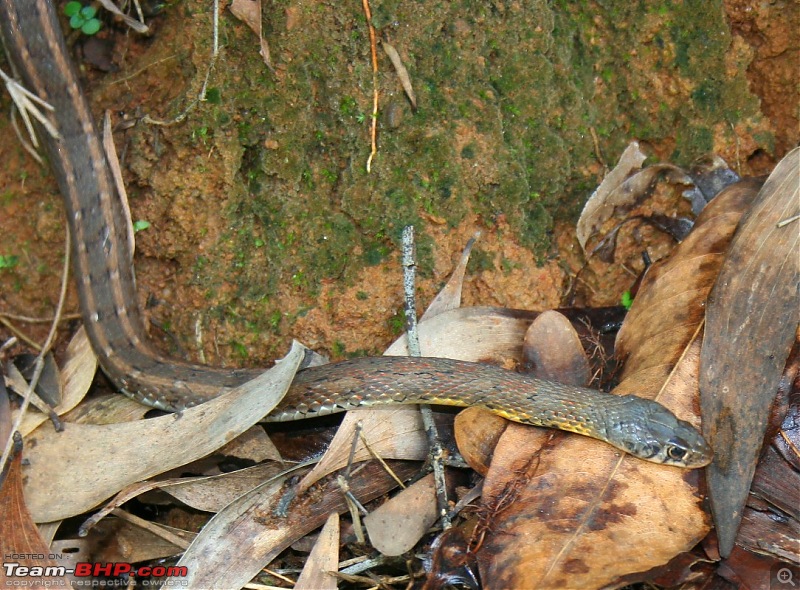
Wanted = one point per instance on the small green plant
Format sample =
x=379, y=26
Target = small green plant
x=8, y=262
x=626, y=300
x=82, y=17
x=140, y=225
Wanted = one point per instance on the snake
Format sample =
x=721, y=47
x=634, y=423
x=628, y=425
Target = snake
x=101, y=253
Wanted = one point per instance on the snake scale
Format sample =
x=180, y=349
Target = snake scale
x=101, y=254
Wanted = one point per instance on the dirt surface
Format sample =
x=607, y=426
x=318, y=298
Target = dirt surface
x=265, y=225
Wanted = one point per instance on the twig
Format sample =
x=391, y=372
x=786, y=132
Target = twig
x=435, y=451
x=373, y=46
x=67, y=317
x=380, y=460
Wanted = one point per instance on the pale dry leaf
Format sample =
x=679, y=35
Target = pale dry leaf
x=254, y=445
x=390, y=432
x=450, y=295
x=471, y=334
x=94, y=462
x=109, y=408
x=213, y=493
x=597, y=209
x=208, y=493
x=399, y=523
x=324, y=558
x=402, y=72
x=77, y=374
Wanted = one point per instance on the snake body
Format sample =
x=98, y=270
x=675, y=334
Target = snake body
x=102, y=257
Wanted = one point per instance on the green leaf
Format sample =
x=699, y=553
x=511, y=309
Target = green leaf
x=71, y=9
x=90, y=27
x=88, y=12
x=9, y=261
x=140, y=225
x=76, y=21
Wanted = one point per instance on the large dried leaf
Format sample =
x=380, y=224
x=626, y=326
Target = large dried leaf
x=587, y=515
x=94, y=462
x=751, y=322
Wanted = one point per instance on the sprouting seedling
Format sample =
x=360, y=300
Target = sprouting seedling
x=626, y=300
x=82, y=17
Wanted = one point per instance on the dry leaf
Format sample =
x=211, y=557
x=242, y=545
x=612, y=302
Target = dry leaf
x=77, y=374
x=323, y=558
x=597, y=209
x=399, y=523
x=94, y=462
x=471, y=334
x=751, y=322
x=553, y=351
x=20, y=541
x=450, y=296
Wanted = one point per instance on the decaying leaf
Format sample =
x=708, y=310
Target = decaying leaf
x=78, y=458
x=621, y=190
x=324, y=558
x=591, y=517
x=751, y=322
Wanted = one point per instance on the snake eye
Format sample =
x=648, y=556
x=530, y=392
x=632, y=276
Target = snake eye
x=676, y=453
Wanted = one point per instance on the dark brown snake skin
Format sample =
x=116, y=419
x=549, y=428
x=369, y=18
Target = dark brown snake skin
x=106, y=286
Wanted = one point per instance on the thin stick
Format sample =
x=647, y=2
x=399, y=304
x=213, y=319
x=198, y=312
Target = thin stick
x=373, y=46
x=435, y=451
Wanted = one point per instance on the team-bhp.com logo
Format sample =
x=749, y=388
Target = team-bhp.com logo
x=85, y=569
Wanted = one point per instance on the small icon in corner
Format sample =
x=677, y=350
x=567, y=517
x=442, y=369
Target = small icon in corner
x=785, y=577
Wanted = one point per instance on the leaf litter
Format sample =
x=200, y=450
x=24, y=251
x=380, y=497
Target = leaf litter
x=596, y=518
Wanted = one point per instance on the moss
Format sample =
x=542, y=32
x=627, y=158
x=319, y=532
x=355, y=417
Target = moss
x=508, y=93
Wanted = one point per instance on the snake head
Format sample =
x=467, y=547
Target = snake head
x=657, y=435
